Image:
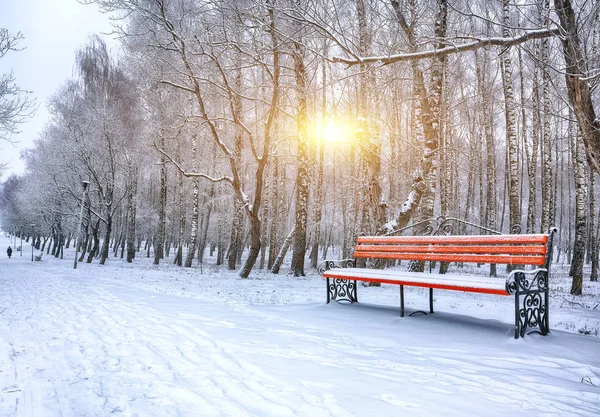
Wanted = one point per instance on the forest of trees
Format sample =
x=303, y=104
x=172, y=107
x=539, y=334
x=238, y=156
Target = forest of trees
x=244, y=129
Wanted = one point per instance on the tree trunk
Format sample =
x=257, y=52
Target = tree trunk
x=237, y=231
x=96, y=242
x=179, y=254
x=511, y=129
x=276, y=209
x=570, y=166
x=284, y=248
x=206, y=223
x=532, y=156
x=576, y=271
x=491, y=216
x=547, y=179
x=131, y=215
x=265, y=224
x=107, y=233
x=160, y=234
x=302, y=179
x=254, y=210
x=236, y=234
x=592, y=228
x=195, y=210
x=318, y=209
x=220, y=233
x=429, y=105
x=108, y=209
x=254, y=246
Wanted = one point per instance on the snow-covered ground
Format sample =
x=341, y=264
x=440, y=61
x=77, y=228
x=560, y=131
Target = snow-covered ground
x=143, y=340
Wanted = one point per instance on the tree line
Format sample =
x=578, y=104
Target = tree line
x=243, y=130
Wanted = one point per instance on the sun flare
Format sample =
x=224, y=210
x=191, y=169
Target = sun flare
x=333, y=132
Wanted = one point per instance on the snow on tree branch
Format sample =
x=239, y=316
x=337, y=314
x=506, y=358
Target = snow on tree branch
x=191, y=174
x=454, y=49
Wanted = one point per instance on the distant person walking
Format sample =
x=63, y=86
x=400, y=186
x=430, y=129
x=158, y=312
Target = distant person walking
x=9, y=252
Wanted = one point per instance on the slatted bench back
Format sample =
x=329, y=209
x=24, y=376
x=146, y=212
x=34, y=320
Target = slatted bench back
x=492, y=249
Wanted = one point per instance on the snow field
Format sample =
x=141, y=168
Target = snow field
x=144, y=340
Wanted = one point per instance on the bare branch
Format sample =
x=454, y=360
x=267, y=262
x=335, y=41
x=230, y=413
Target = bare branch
x=590, y=77
x=449, y=50
x=191, y=174
x=172, y=84
x=231, y=95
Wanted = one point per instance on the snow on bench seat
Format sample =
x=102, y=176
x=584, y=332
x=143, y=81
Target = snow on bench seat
x=419, y=279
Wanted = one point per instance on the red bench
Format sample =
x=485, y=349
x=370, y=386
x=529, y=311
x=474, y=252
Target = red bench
x=530, y=287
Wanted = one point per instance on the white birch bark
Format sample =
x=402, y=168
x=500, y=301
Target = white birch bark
x=131, y=213
x=547, y=179
x=276, y=211
x=593, y=241
x=195, y=210
x=429, y=101
x=282, y=252
x=532, y=155
x=511, y=128
x=318, y=209
x=179, y=254
x=162, y=208
x=576, y=270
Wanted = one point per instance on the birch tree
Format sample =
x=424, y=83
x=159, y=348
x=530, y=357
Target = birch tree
x=302, y=178
x=576, y=270
x=511, y=127
x=318, y=209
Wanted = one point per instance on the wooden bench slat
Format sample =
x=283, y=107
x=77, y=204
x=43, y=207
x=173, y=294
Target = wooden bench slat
x=484, y=259
x=483, y=239
x=506, y=250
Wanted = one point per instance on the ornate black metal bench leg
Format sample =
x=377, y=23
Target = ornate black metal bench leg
x=401, y=300
x=517, y=320
x=417, y=311
x=339, y=289
x=547, y=304
x=431, y=301
x=531, y=302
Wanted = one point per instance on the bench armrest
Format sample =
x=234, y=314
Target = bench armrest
x=517, y=280
x=326, y=265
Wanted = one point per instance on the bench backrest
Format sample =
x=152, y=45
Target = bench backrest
x=492, y=249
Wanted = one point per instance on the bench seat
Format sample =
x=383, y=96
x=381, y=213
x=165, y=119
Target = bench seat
x=477, y=284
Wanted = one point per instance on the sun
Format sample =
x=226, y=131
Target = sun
x=333, y=132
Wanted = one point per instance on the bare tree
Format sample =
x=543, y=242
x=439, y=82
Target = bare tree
x=16, y=105
x=175, y=36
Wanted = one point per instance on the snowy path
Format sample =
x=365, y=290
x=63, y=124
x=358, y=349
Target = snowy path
x=89, y=346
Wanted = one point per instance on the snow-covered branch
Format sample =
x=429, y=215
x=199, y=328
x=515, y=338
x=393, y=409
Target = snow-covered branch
x=453, y=49
x=191, y=174
x=172, y=84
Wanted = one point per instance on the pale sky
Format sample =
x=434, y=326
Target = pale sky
x=53, y=31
